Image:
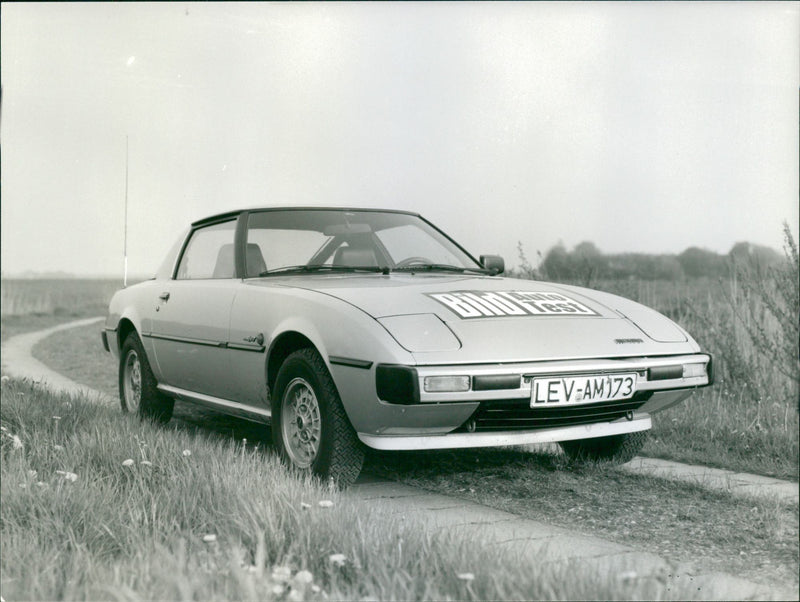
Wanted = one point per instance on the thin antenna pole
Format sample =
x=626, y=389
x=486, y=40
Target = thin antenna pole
x=125, y=244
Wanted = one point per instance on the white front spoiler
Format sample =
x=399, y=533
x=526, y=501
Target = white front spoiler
x=641, y=422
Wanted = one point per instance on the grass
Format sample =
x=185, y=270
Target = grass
x=27, y=304
x=65, y=297
x=97, y=505
x=747, y=421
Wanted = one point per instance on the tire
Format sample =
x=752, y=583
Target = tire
x=616, y=448
x=138, y=392
x=309, y=425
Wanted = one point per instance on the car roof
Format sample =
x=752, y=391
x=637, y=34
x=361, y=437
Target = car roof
x=229, y=214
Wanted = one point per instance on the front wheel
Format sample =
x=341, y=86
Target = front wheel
x=309, y=425
x=615, y=448
x=138, y=392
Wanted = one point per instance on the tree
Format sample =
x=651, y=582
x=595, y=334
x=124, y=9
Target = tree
x=557, y=264
x=697, y=262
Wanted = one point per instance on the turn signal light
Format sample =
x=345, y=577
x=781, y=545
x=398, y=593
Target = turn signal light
x=446, y=384
x=694, y=370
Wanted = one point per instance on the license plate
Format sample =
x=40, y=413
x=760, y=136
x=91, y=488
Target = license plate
x=582, y=389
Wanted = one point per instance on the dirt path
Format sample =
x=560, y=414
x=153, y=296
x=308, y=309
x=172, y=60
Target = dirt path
x=18, y=361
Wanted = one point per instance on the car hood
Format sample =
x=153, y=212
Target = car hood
x=491, y=319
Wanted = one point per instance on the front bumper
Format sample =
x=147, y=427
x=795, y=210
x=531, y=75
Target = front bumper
x=500, y=407
x=640, y=422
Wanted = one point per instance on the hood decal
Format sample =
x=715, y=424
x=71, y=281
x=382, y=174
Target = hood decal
x=488, y=304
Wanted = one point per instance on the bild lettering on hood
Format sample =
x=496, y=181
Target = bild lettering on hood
x=483, y=304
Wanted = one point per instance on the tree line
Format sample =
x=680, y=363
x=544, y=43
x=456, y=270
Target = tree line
x=585, y=263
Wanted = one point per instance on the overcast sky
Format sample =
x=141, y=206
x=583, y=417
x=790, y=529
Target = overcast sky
x=641, y=127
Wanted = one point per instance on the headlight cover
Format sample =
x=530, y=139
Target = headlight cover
x=420, y=333
x=656, y=326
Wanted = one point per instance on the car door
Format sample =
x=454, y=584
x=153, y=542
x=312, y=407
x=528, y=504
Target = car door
x=192, y=318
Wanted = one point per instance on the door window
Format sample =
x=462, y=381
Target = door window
x=210, y=253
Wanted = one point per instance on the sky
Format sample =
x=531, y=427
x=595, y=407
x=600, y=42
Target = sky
x=642, y=127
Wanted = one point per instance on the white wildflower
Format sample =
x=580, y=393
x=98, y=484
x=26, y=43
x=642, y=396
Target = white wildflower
x=305, y=506
x=466, y=576
x=209, y=538
x=302, y=579
x=56, y=417
x=296, y=595
x=41, y=484
x=278, y=589
x=146, y=463
x=281, y=574
x=337, y=559
x=4, y=379
x=316, y=588
x=32, y=474
x=325, y=504
x=68, y=476
x=187, y=453
x=128, y=462
x=58, y=447
x=16, y=442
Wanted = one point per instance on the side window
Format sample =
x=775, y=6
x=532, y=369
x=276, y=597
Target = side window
x=210, y=253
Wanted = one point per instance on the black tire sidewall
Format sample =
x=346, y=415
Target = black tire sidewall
x=296, y=365
x=153, y=404
x=340, y=453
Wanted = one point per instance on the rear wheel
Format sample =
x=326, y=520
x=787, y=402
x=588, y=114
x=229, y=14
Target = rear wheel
x=309, y=425
x=138, y=392
x=616, y=448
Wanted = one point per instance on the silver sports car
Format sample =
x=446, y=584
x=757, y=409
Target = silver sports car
x=346, y=328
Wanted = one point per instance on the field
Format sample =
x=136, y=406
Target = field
x=97, y=505
x=134, y=530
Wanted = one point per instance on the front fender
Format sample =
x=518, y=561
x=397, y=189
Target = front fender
x=130, y=305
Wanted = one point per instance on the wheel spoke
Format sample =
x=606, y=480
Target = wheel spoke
x=301, y=423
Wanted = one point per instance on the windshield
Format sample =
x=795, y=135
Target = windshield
x=324, y=240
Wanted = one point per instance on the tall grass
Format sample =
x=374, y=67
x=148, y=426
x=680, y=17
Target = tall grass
x=67, y=297
x=97, y=505
x=749, y=323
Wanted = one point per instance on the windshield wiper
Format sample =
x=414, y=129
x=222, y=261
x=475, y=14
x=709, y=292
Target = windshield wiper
x=307, y=269
x=440, y=267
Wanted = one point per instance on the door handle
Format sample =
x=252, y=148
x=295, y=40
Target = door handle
x=164, y=297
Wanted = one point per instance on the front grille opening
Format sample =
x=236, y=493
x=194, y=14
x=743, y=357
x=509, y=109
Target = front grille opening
x=511, y=415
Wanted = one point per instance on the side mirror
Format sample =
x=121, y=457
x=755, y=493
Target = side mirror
x=493, y=263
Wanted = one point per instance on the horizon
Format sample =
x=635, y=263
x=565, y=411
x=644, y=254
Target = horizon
x=133, y=278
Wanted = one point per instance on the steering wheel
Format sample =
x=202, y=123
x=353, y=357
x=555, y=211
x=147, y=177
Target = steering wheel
x=412, y=260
